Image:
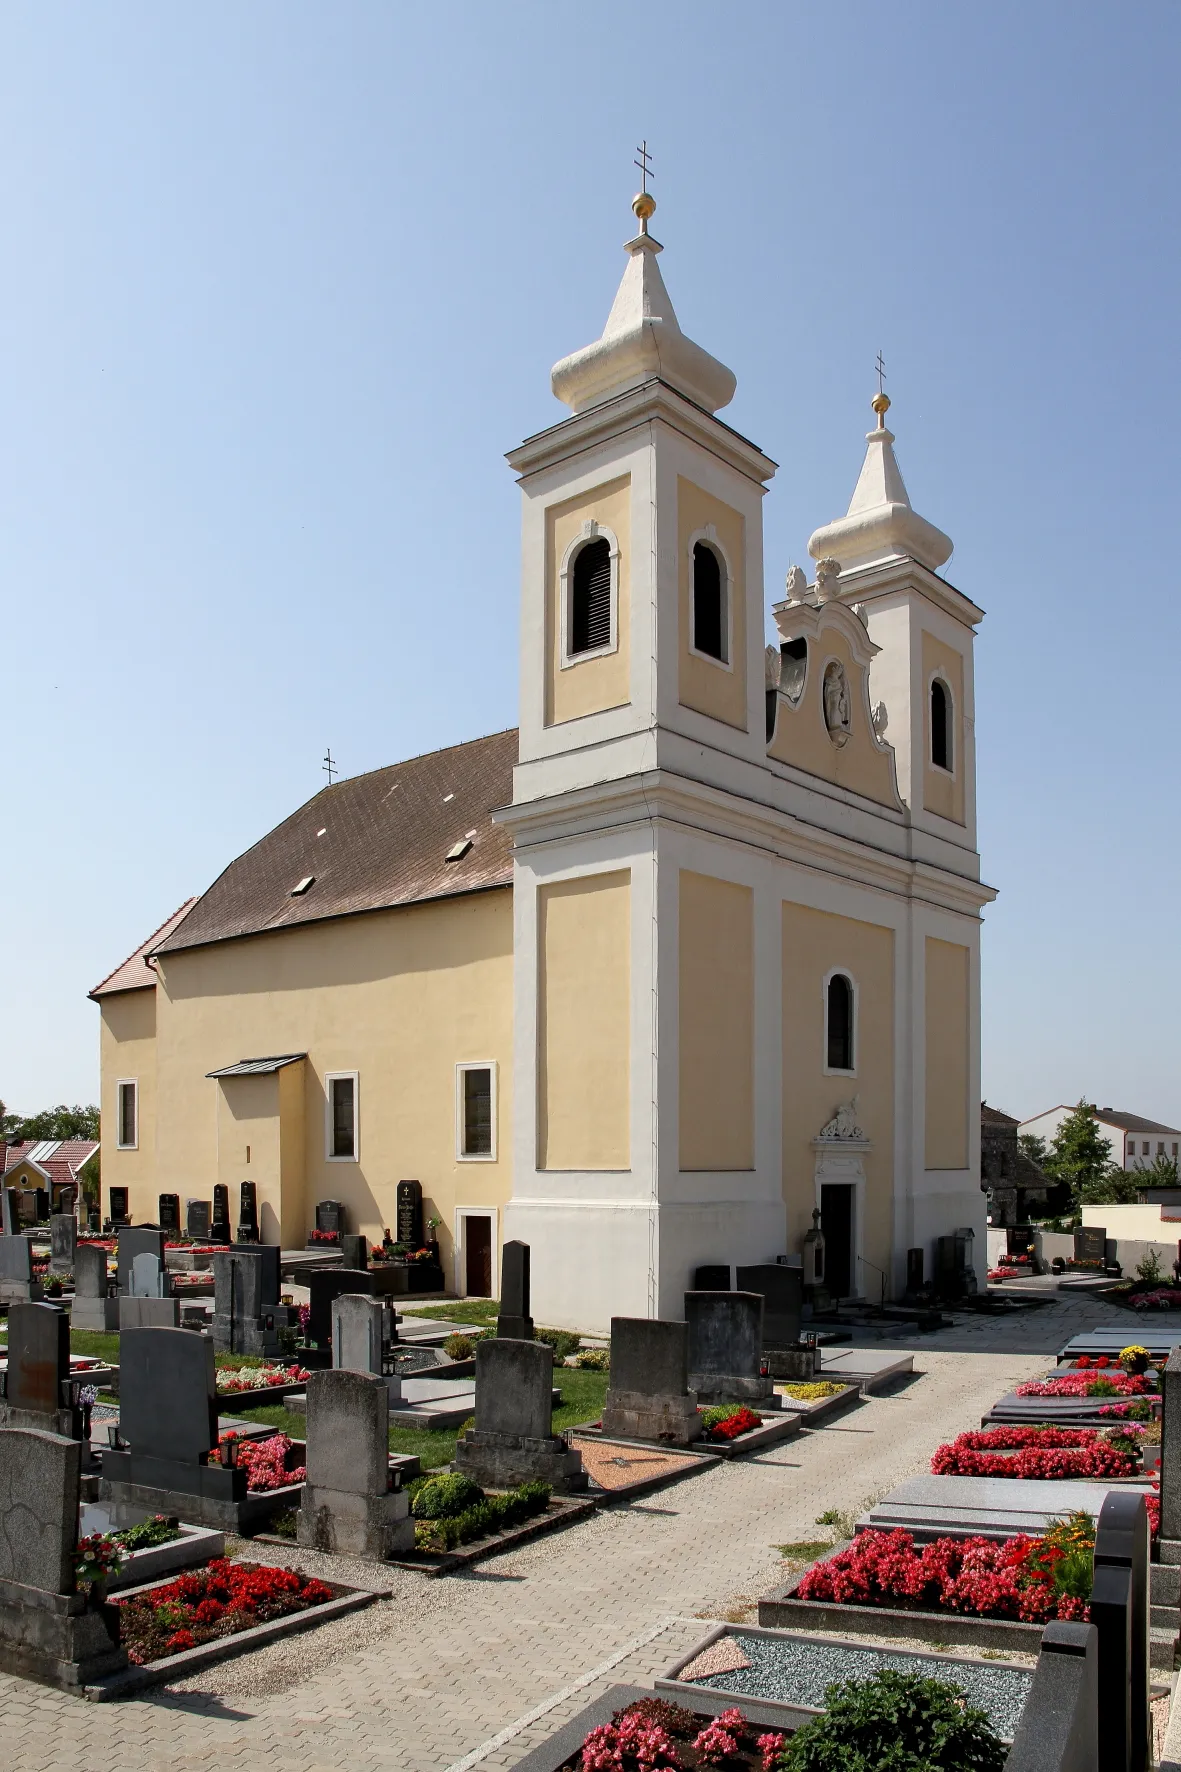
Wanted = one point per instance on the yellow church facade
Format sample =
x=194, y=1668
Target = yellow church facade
x=692, y=953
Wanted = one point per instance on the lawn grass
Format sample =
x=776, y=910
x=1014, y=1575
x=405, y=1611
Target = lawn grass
x=96, y=1345
x=460, y=1310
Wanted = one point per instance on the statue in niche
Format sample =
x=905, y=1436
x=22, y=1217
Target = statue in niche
x=797, y=584
x=844, y=1122
x=828, y=580
x=881, y=719
x=838, y=706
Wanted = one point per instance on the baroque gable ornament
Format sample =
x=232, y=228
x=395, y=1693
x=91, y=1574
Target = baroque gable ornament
x=838, y=704
x=797, y=584
x=828, y=580
x=843, y=1124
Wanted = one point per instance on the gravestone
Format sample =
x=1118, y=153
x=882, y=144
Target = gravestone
x=812, y=1254
x=648, y=1395
x=711, y=1278
x=914, y=1272
x=92, y=1307
x=169, y=1206
x=133, y=1241
x=1060, y=1722
x=149, y=1277
x=248, y=1213
x=120, y=1207
x=349, y=1506
x=782, y=1290
x=354, y=1250
x=38, y=1376
x=247, y=1313
x=513, y=1322
x=197, y=1220
x=10, y=1200
x=63, y=1240
x=16, y=1270
x=48, y=1632
x=410, y=1213
x=1119, y=1611
x=725, y=1348
x=94, y=1218
x=1090, y=1243
x=148, y=1311
x=328, y=1284
x=1170, y=1455
x=219, y=1229
x=330, y=1217
x=513, y=1440
x=360, y=1338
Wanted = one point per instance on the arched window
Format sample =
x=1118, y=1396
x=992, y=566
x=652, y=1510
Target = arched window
x=940, y=724
x=590, y=598
x=839, y=1019
x=710, y=615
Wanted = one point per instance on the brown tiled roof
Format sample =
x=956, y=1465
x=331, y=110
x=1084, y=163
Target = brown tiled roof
x=1131, y=1122
x=991, y=1116
x=60, y=1159
x=385, y=840
x=135, y=974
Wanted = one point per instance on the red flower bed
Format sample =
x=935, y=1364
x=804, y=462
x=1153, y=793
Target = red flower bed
x=741, y=1422
x=1037, y=1452
x=213, y=1602
x=324, y=1237
x=1165, y=1298
x=1010, y=1580
x=1087, y=1384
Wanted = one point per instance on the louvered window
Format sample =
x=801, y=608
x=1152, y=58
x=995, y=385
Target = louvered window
x=709, y=604
x=940, y=725
x=590, y=598
x=840, y=1023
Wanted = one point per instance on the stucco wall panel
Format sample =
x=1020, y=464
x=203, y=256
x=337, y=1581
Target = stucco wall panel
x=584, y=1022
x=716, y=1014
x=948, y=1006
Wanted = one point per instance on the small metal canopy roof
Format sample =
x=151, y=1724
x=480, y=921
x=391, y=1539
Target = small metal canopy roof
x=257, y=1067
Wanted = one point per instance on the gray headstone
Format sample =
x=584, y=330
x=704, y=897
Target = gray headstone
x=246, y=1281
x=16, y=1259
x=514, y=1322
x=356, y=1333
x=649, y=1356
x=1170, y=1452
x=782, y=1290
x=38, y=1356
x=147, y=1277
x=514, y=1388
x=40, y=1480
x=63, y=1240
x=354, y=1250
x=348, y=1418
x=133, y=1241
x=90, y=1271
x=197, y=1219
x=725, y=1333
x=148, y=1313
x=167, y=1396
x=1060, y=1722
x=323, y=1287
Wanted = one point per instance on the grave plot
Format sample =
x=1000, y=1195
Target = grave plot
x=150, y=1547
x=813, y=1401
x=250, y=1387
x=1074, y=1398
x=1035, y=1453
x=620, y=1470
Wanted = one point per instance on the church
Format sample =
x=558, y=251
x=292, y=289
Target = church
x=690, y=954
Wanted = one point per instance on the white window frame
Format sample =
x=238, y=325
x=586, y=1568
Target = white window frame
x=460, y=1276
x=940, y=675
x=122, y=1083
x=709, y=536
x=331, y=1077
x=475, y=1064
x=841, y=972
x=590, y=531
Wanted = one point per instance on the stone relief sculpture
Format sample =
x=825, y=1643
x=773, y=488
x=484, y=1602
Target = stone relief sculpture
x=772, y=667
x=828, y=576
x=843, y=1123
x=881, y=719
x=797, y=584
x=838, y=706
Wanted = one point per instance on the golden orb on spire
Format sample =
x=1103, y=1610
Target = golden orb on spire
x=881, y=405
x=644, y=205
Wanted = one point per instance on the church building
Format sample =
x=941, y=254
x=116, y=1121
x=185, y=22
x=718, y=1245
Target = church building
x=691, y=953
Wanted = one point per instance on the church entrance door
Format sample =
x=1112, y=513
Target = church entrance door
x=836, y=1221
x=477, y=1242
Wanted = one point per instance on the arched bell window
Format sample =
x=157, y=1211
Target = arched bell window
x=941, y=748
x=590, y=598
x=839, y=1020
x=710, y=604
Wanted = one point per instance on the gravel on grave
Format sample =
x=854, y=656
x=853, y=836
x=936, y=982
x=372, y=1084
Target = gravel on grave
x=416, y=1359
x=792, y=1671
x=613, y=1466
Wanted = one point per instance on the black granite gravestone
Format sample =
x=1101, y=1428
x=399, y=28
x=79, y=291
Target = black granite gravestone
x=248, y=1213
x=1119, y=1610
x=410, y=1213
x=219, y=1228
x=914, y=1272
x=137, y=1240
x=1090, y=1243
x=323, y=1286
x=120, y=1207
x=38, y=1358
x=197, y=1220
x=514, y=1322
x=354, y=1250
x=170, y=1213
x=167, y=1395
x=10, y=1201
x=711, y=1278
x=330, y=1217
x=40, y=1205
x=782, y=1290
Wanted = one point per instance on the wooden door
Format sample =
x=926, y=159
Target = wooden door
x=477, y=1243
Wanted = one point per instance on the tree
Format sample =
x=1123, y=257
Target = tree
x=1080, y=1156
x=1118, y=1187
x=1161, y=1172
x=1033, y=1148
x=55, y=1122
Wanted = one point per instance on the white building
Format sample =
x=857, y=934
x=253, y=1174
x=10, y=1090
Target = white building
x=1135, y=1141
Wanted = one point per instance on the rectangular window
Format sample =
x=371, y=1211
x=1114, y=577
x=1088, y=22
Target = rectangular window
x=1144, y=1148
x=342, y=1116
x=1174, y=1148
x=127, y=1115
x=1160, y=1147
x=475, y=1111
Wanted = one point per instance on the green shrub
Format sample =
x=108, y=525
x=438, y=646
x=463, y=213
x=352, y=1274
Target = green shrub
x=459, y=1347
x=491, y=1514
x=720, y=1412
x=561, y=1341
x=441, y=1498
x=594, y=1359
x=1149, y=1269
x=895, y=1723
x=160, y=1529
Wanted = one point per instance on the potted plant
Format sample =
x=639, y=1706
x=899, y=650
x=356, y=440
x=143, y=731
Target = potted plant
x=1135, y=1358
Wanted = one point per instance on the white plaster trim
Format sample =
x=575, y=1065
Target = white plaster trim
x=709, y=538
x=331, y=1077
x=463, y=1213
x=590, y=531
x=122, y=1083
x=953, y=736
x=840, y=972
x=475, y=1064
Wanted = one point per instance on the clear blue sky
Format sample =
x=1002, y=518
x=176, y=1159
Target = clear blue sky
x=282, y=283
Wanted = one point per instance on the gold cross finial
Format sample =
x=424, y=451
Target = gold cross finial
x=644, y=203
x=881, y=400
